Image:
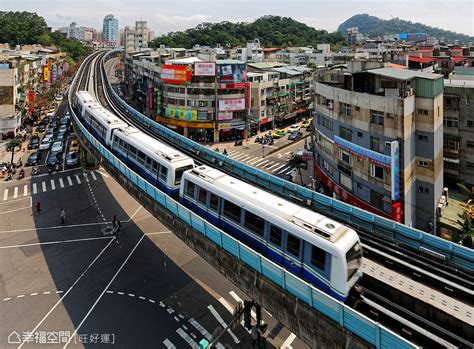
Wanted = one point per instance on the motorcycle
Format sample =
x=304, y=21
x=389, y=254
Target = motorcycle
x=19, y=163
x=50, y=170
x=21, y=175
x=35, y=171
x=9, y=177
x=238, y=142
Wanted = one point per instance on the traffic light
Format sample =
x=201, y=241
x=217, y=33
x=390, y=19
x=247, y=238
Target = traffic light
x=247, y=316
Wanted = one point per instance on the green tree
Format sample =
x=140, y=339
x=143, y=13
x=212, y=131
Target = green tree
x=21, y=27
x=467, y=225
x=297, y=162
x=12, y=144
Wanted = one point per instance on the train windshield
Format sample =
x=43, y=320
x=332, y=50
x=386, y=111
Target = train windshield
x=354, y=259
x=179, y=174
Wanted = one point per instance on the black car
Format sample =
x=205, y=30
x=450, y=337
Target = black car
x=54, y=159
x=53, y=125
x=64, y=121
x=310, y=128
x=33, y=158
x=41, y=127
x=34, y=143
x=295, y=135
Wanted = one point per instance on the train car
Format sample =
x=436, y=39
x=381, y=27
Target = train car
x=101, y=122
x=308, y=244
x=82, y=99
x=155, y=161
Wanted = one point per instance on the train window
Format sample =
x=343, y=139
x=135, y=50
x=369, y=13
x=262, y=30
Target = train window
x=179, y=174
x=154, y=167
x=354, y=259
x=318, y=257
x=293, y=245
x=163, y=173
x=132, y=152
x=148, y=163
x=275, y=235
x=232, y=211
x=190, y=189
x=214, y=202
x=254, y=223
x=203, y=196
x=141, y=157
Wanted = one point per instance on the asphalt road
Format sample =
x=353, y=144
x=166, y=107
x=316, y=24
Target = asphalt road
x=68, y=285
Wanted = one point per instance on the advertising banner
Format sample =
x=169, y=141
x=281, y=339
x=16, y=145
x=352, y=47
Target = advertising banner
x=205, y=69
x=182, y=114
x=231, y=104
x=397, y=212
x=31, y=101
x=150, y=98
x=54, y=73
x=50, y=69
x=235, y=72
x=224, y=115
x=395, y=169
x=45, y=73
x=231, y=86
x=376, y=157
x=247, y=95
x=175, y=74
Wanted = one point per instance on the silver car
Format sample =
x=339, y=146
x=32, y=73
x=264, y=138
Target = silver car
x=57, y=147
x=72, y=159
x=45, y=143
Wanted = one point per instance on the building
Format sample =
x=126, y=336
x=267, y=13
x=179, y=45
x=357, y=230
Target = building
x=459, y=131
x=379, y=141
x=110, y=30
x=137, y=38
x=74, y=32
x=353, y=36
x=252, y=53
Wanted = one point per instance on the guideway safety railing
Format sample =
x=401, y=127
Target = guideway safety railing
x=367, y=329
x=455, y=255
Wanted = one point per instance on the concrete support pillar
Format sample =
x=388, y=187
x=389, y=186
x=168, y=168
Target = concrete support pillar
x=216, y=135
x=185, y=132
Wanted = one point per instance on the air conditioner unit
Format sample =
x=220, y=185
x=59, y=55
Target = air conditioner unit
x=330, y=105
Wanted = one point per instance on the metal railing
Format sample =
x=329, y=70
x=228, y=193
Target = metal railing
x=367, y=329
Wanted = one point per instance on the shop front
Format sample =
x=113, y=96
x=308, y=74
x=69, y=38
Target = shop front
x=233, y=130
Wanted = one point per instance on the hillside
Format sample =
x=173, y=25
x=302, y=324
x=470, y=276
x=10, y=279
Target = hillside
x=374, y=26
x=272, y=31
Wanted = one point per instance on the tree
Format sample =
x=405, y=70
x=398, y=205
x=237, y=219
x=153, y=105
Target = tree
x=467, y=226
x=296, y=161
x=12, y=144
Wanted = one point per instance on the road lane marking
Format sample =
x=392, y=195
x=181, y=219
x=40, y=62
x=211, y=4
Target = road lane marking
x=56, y=242
x=287, y=343
x=266, y=165
x=69, y=180
x=15, y=192
x=287, y=173
x=25, y=190
x=222, y=322
x=278, y=168
x=78, y=179
x=61, y=183
x=261, y=163
x=286, y=168
x=5, y=194
x=168, y=344
x=187, y=338
x=238, y=156
x=104, y=290
x=273, y=166
x=43, y=186
x=238, y=299
x=53, y=186
x=35, y=190
x=253, y=162
x=61, y=300
x=93, y=175
x=86, y=177
x=251, y=159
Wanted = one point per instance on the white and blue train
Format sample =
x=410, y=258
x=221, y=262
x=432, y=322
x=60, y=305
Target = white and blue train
x=153, y=160
x=310, y=245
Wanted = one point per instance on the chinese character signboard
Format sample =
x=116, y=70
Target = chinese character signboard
x=205, y=69
x=235, y=73
x=373, y=156
x=175, y=74
x=231, y=104
x=395, y=170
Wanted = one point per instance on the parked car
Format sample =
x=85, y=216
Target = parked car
x=53, y=125
x=34, y=143
x=72, y=159
x=295, y=135
x=33, y=158
x=294, y=128
x=41, y=127
x=50, y=114
x=63, y=129
x=74, y=145
x=59, y=137
x=57, y=147
x=65, y=121
x=49, y=133
x=310, y=128
x=45, y=143
x=54, y=158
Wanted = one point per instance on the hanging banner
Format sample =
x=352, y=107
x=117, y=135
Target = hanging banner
x=45, y=74
x=31, y=101
x=395, y=169
x=150, y=98
x=175, y=74
x=205, y=69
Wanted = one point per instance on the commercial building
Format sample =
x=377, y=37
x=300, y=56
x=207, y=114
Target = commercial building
x=110, y=30
x=252, y=53
x=379, y=141
x=137, y=38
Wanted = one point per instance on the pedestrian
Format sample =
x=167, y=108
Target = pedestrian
x=38, y=207
x=62, y=215
x=116, y=226
x=225, y=151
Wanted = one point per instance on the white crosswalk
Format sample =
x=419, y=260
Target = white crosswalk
x=52, y=184
x=276, y=167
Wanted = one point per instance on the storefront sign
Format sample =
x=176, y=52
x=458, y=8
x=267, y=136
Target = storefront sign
x=150, y=98
x=247, y=95
x=378, y=158
x=31, y=101
x=234, y=72
x=224, y=115
x=397, y=212
x=232, y=104
x=182, y=114
x=232, y=86
x=395, y=169
x=205, y=69
x=175, y=74
x=45, y=74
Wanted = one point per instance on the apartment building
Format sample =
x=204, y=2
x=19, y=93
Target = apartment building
x=379, y=141
x=252, y=53
x=110, y=30
x=137, y=38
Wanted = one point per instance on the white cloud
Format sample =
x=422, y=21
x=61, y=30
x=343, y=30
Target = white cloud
x=163, y=23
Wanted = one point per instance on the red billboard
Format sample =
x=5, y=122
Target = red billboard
x=247, y=96
x=231, y=86
x=31, y=101
x=175, y=74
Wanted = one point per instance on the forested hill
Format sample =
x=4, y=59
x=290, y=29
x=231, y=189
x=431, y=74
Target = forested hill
x=374, y=26
x=272, y=31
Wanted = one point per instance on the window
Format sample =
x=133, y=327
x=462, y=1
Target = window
x=423, y=190
x=203, y=196
x=423, y=138
x=179, y=174
x=148, y=163
x=422, y=111
x=451, y=166
x=451, y=121
x=470, y=165
x=232, y=211
x=376, y=144
x=423, y=163
x=345, y=133
x=470, y=144
x=377, y=117
x=354, y=260
x=360, y=135
x=376, y=199
x=346, y=110
x=293, y=245
x=190, y=189
x=254, y=223
x=327, y=167
x=141, y=157
x=154, y=167
x=377, y=171
x=318, y=257
x=132, y=152
x=275, y=235
x=214, y=202
x=357, y=108
x=345, y=156
x=451, y=144
x=163, y=173
x=345, y=181
x=327, y=123
x=470, y=123
x=344, y=170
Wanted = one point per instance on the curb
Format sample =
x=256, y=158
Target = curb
x=285, y=146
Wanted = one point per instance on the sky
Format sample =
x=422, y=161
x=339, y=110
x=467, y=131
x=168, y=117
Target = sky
x=164, y=16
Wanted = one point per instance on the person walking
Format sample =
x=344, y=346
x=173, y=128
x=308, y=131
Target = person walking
x=225, y=151
x=62, y=215
x=38, y=207
x=116, y=226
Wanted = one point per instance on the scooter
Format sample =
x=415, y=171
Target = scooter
x=21, y=175
x=19, y=163
x=238, y=142
x=35, y=171
x=9, y=177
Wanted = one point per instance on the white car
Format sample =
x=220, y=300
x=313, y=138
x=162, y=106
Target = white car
x=50, y=114
x=57, y=147
x=294, y=128
x=59, y=98
x=45, y=143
